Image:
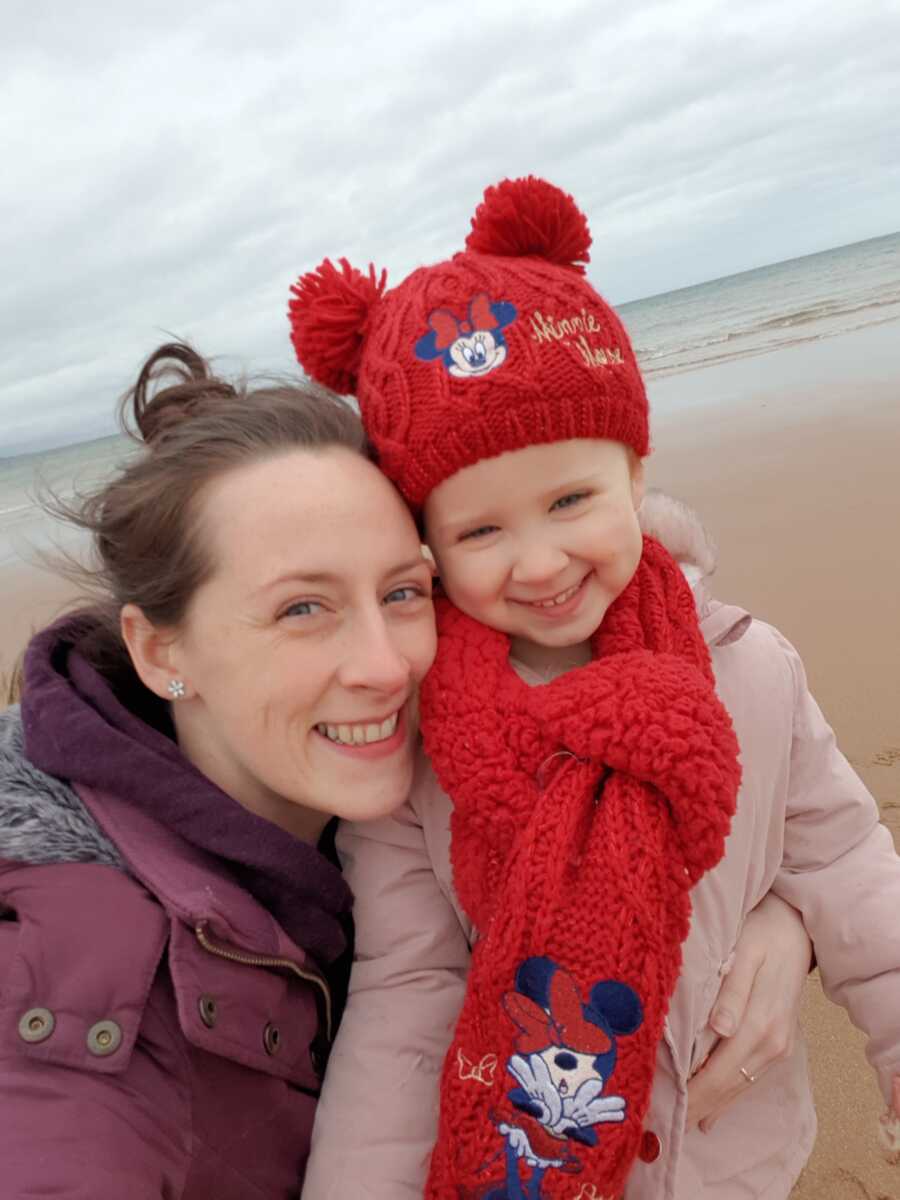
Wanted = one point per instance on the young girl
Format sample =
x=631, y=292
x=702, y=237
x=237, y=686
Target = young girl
x=600, y=729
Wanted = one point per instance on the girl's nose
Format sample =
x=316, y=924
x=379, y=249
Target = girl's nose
x=538, y=561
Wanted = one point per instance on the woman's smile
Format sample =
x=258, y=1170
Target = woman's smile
x=374, y=739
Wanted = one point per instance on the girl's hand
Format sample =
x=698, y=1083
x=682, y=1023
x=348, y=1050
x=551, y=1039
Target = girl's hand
x=756, y=1011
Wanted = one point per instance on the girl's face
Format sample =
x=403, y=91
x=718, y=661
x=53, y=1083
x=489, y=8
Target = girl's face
x=302, y=653
x=539, y=542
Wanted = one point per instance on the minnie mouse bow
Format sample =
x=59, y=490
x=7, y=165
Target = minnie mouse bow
x=564, y=1024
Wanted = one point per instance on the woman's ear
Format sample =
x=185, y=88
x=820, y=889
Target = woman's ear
x=152, y=652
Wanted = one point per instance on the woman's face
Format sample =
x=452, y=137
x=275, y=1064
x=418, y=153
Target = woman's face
x=302, y=653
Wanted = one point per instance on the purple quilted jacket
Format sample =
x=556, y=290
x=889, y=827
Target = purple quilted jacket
x=158, y=1037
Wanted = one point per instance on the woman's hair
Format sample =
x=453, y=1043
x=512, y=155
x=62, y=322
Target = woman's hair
x=148, y=544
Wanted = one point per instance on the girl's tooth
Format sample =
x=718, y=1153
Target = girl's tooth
x=359, y=735
x=373, y=733
x=387, y=727
x=332, y=732
x=345, y=734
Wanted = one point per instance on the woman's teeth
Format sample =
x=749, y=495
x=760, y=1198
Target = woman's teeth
x=360, y=735
x=560, y=599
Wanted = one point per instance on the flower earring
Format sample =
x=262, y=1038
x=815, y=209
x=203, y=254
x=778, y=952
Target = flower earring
x=176, y=689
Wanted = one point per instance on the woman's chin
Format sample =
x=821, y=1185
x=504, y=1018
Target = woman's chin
x=362, y=790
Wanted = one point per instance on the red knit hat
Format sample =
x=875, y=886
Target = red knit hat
x=503, y=346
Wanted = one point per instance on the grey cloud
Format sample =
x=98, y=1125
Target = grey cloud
x=174, y=170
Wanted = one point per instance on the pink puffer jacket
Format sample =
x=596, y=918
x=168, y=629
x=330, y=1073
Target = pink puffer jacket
x=806, y=828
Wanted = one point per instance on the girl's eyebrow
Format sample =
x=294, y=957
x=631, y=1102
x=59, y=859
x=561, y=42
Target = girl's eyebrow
x=573, y=485
x=485, y=517
x=451, y=528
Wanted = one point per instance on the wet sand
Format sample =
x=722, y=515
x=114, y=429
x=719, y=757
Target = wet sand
x=792, y=460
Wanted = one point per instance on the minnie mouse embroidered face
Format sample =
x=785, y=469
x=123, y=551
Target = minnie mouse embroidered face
x=476, y=355
x=568, y=1070
x=469, y=348
x=566, y=1050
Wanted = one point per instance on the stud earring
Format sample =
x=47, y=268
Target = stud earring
x=176, y=689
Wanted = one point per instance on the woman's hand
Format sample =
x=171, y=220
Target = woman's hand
x=755, y=1013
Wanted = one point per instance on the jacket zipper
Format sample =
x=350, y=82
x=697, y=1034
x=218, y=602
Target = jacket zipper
x=262, y=960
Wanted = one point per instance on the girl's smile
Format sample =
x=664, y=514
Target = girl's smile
x=563, y=604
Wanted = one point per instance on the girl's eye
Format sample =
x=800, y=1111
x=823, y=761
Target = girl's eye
x=403, y=594
x=303, y=608
x=481, y=531
x=568, y=501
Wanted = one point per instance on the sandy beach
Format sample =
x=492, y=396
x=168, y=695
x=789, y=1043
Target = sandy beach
x=791, y=459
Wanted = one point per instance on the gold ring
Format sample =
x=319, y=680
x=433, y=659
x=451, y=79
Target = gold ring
x=746, y=1074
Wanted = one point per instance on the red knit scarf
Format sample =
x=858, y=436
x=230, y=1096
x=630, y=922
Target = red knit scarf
x=584, y=811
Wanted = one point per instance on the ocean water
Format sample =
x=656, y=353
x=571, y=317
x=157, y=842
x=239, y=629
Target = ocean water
x=803, y=300
x=64, y=472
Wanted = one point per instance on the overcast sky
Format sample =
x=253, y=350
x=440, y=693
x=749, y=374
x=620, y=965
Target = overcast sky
x=171, y=167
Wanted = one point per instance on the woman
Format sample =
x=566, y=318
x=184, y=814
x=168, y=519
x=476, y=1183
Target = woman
x=172, y=936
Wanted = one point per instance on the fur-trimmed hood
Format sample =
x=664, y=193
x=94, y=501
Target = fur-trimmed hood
x=42, y=819
x=682, y=533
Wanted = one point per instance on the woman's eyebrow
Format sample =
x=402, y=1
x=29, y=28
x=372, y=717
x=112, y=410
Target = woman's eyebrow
x=410, y=565
x=329, y=577
x=311, y=577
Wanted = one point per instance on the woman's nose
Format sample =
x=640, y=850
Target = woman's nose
x=373, y=659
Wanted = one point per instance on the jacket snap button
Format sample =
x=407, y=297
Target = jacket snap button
x=208, y=1011
x=651, y=1147
x=271, y=1038
x=36, y=1025
x=104, y=1038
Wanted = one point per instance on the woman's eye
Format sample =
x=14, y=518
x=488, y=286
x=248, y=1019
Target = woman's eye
x=568, y=501
x=481, y=531
x=303, y=608
x=399, y=595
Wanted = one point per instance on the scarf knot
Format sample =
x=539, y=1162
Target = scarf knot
x=584, y=810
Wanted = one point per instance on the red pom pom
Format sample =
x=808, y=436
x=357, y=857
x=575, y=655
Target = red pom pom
x=329, y=315
x=521, y=217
